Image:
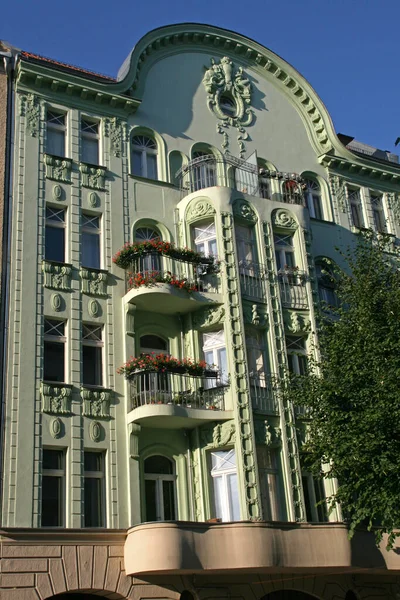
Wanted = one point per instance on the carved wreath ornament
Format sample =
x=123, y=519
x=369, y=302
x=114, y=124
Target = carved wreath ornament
x=229, y=93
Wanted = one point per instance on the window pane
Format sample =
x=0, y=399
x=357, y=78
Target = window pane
x=55, y=142
x=52, y=501
x=159, y=465
x=151, y=166
x=53, y=459
x=93, y=461
x=307, y=500
x=92, y=365
x=233, y=497
x=151, y=504
x=93, y=502
x=90, y=250
x=218, y=497
x=168, y=500
x=53, y=361
x=137, y=163
x=90, y=150
x=54, y=243
x=317, y=207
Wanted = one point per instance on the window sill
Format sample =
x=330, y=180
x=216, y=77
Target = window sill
x=92, y=165
x=59, y=384
x=314, y=219
x=56, y=263
x=153, y=181
x=94, y=269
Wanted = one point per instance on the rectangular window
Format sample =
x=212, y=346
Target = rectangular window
x=378, y=213
x=91, y=241
x=225, y=484
x=356, y=208
x=53, y=488
x=55, y=234
x=245, y=243
x=205, y=239
x=314, y=494
x=269, y=482
x=55, y=140
x=94, y=496
x=214, y=349
x=297, y=355
x=54, y=351
x=284, y=251
x=89, y=141
x=92, y=355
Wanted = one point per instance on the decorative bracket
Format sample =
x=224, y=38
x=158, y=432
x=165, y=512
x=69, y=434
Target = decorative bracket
x=94, y=281
x=57, y=276
x=56, y=399
x=96, y=403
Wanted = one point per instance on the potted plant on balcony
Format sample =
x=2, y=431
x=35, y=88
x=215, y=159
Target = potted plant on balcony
x=164, y=363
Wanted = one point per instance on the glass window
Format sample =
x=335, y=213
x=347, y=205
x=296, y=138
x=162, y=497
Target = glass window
x=214, y=349
x=55, y=234
x=256, y=358
x=269, y=482
x=94, y=496
x=53, y=488
x=314, y=493
x=297, y=355
x=356, y=208
x=55, y=138
x=159, y=484
x=204, y=172
x=54, y=351
x=91, y=241
x=378, y=212
x=284, y=251
x=147, y=262
x=225, y=485
x=246, y=245
x=313, y=199
x=89, y=141
x=144, y=157
x=326, y=283
x=205, y=239
x=92, y=355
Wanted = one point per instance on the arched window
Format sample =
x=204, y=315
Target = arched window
x=148, y=262
x=144, y=157
x=159, y=483
x=313, y=199
x=204, y=172
x=153, y=343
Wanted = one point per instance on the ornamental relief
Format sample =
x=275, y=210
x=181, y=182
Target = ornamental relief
x=56, y=277
x=243, y=211
x=96, y=403
x=255, y=314
x=58, y=169
x=93, y=177
x=93, y=282
x=209, y=317
x=56, y=399
x=30, y=109
x=283, y=219
x=297, y=323
x=198, y=209
x=218, y=435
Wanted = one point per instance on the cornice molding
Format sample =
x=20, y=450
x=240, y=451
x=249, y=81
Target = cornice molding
x=353, y=168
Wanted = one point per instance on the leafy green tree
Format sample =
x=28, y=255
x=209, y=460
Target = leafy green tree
x=352, y=393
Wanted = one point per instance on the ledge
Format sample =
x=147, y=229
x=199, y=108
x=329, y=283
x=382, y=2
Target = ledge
x=171, y=416
x=165, y=299
x=244, y=547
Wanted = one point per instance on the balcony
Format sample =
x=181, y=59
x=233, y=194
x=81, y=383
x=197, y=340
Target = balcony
x=253, y=278
x=263, y=390
x=292, y=284
x=209, y=170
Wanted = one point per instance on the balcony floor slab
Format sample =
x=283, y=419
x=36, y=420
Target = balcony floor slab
x=170, y=416
x=162, y=298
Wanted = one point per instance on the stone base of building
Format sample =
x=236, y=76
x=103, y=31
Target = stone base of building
x=42, y=564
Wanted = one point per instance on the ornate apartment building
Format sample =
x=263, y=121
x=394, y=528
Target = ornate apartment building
x=169, y=232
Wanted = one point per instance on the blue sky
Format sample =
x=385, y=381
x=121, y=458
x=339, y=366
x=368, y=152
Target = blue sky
x=347, y=49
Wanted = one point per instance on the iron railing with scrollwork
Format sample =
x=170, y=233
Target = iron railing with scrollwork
x=292, y=284
x=253, y=278
x=263, y=391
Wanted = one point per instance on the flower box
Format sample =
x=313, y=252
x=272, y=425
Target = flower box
x=163, y=363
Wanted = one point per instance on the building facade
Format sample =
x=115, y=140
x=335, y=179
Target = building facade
x=169, y=235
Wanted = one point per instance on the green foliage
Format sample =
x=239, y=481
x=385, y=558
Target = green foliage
x=352, y=393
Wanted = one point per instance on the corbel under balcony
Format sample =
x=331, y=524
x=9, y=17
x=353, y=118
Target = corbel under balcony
x=57, y=276
x=56, y=397
x=58, y=168
x=93, y=176
x=93, y=281
x=96, y=402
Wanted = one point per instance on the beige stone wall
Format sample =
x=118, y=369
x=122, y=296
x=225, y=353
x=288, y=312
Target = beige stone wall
x=36, y=566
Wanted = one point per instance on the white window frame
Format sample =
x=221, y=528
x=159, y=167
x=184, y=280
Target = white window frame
x=204, y=234
x=378, y=208
x=214, y=342
x=88, y=230
x=89, y=135
x=257, y=357
x=54, y=126
x=159, y=478
x=102, y=476
x=94, y=343
x=145, y=150
x=356, y=207
x=224, y=474
x=61, y=474
x=313, y=197
x=283, y=249
x=296, y=353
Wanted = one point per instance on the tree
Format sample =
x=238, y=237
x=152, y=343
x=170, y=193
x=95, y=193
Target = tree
x=352, y=393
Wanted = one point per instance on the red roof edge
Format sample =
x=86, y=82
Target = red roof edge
x=79, y=70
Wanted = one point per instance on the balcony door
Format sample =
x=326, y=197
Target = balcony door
x=214, y=349
x=153, y=387
x=148, y=262
x=159, y=484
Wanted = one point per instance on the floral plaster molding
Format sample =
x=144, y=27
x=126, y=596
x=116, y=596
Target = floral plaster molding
x=94, y=282
x=93, y=177
x=96, y=403
x=243, y=211
x=56, y=398
x=198, y=209
x=283, y=219
x=57, y=276
x=58, y=168
x=209, y=317
x=30, y=109
x=113, y=129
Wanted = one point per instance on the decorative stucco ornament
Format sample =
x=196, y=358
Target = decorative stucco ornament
x=198, y=209
x=93, y=199
x=56, y=428
x=57, y=192
x=93, y=308
x=209, y=317
x=95, y=431
x=298, y=324
x=56, y=302
x=30, y=109
x=244, y=211
x=284, y=219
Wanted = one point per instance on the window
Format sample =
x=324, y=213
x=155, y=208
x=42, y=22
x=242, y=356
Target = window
x=91, y=241
x=256, y=359
x=356, y=208
x=264, y=185
x=89, y=141
x=378, y=212
x=53, y=488
x=94, y=496
x=246, y=244
x=54, y=351
x=313, y=199
x=269, y=482
x=204, y=172
x=159, y=486
x=326, y=282
x=55, y=234
x=214, y=349
x=92, y=355
x=292, y=193
x=149, y=385
x=55, y=140
x=297, y=355
x=314, y=492
x=144, y=157
x=148, y=262
x=225, y=485
x=205, y=239
x=284, y=251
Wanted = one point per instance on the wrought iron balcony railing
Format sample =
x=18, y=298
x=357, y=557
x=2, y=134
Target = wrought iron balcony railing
x=263, y=391
x=210, y=170
x=253, y=277
x=292, y=284
x=177, y=389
